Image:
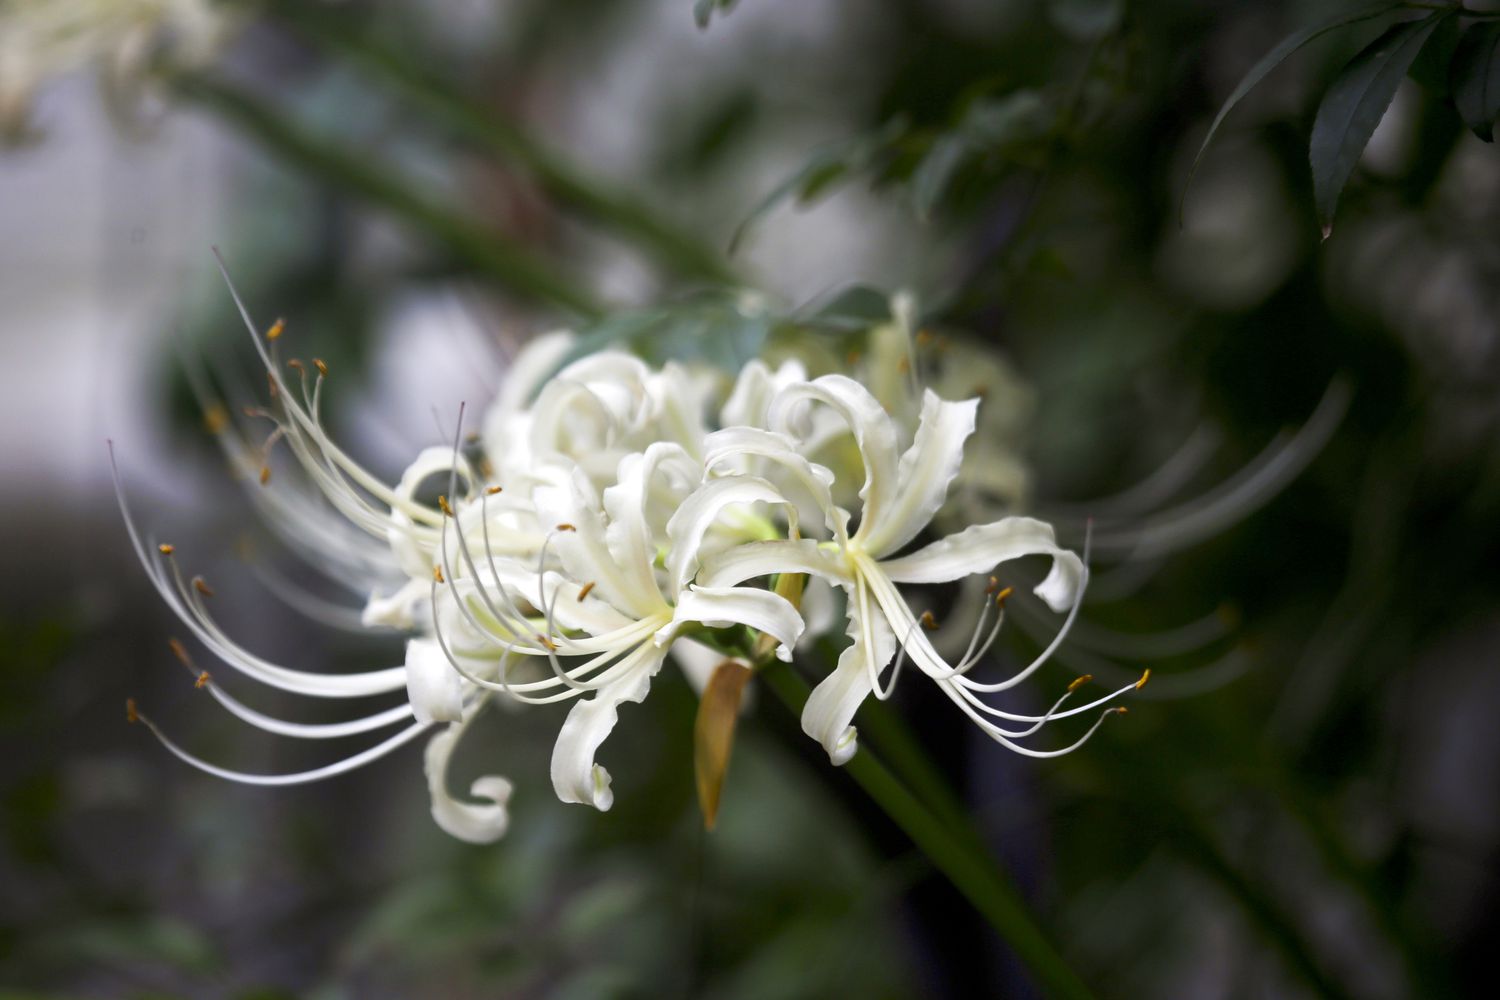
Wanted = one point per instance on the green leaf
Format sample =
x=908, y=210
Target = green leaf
x=823, y=169
x=1475, y=78
x=1275, y=58
x=1431, y=67
x=935, y=171
x=1354, y=105
x=716, y=328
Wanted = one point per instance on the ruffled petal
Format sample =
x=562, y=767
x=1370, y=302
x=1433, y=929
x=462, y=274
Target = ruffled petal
x=926, y=469
x=702, y=507
x=477, y=823
x=873, y=430
x=717, y=607
x=575, y=776
x=581, y=543
x=979, y=548
x=630, y=536
x=815, y=481
x=433, y=687
x=754, y=389
x=768, y=558
x=828, y=715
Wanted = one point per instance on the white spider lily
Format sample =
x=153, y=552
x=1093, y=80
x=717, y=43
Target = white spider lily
x=611, y=588
x=604, y=524
x=900, y=494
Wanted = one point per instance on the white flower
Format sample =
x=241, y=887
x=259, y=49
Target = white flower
x=900, y=494
x=595, y=605
x=42, y=41
x=605, y=523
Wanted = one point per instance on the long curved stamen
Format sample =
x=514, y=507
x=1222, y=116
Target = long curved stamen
x=998, y=735
x=974, y=700
x=207, y=630
x=280, y=727
x=975, y=655
x=309, y=426
x=1057, y=640
x=344, y=766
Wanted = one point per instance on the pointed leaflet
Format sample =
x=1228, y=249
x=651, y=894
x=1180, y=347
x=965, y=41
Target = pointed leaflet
x=1274, y=58
x=1354, y=105
x=1475, y=78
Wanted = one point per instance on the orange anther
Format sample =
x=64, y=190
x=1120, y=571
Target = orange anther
x=1079, y=682
x=165, y=549
x=202, y=681
x=321, y=366
x=275, y=330
x=584, y=591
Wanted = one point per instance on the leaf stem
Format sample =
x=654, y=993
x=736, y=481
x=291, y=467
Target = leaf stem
x=956, y=854
x=506, y=261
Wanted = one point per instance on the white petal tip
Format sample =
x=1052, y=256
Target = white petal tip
x=603, y=796
x=843, y=751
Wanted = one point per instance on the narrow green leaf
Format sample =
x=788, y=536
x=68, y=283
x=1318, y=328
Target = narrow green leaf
x=1275, y=58
x=1354, y=105
x=1475, y=78
x=935, y=171
x=823, y=169
x=1431, y=67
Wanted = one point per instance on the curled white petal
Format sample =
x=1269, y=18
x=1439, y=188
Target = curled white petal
x=475, y=822
x=830, y=709
x=693, y=518
x=575, y=775
x=981, y=547
x=926, y=470
x=717, y=607
x=767, y=558
x=872, y=427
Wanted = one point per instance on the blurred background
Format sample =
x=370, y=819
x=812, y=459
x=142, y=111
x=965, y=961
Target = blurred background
x=1305, y=803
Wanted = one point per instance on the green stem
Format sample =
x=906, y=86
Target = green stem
x=506, y=261
x=442, y=102
x=953, y=852
x=882, y=727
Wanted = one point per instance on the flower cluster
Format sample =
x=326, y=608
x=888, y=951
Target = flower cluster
x=122, y=38
x=610, y=514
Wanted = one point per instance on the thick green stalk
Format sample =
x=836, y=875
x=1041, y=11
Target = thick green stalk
x=957, y=855
x=444, y=103
x=510, y=264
